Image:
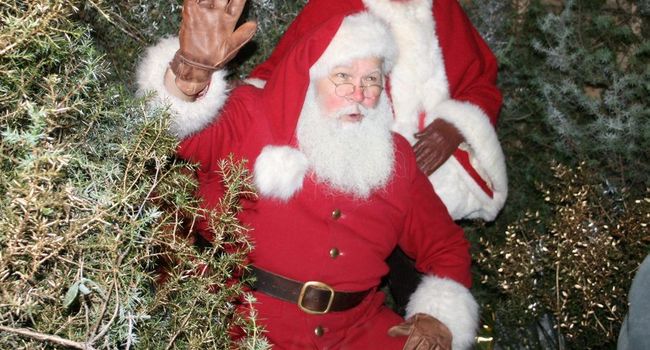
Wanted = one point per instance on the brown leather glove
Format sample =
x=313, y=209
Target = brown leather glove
x=208, y=40
x=436, y=143
x=424, y=332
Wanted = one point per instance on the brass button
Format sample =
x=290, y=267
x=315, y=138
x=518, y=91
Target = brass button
x=319, y=331
x=334, y=253
x=336, y=214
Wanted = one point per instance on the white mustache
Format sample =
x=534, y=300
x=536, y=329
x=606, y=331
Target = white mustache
x=356, y=108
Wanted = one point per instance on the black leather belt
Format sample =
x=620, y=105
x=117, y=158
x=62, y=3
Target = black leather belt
x=311, y=297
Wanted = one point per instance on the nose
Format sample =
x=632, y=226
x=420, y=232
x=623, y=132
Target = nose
x=357, y=94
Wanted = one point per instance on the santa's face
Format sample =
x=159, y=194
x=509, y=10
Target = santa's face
x=350, y=85
x=350, y=154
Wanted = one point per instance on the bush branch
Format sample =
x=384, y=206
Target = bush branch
x=47, y=337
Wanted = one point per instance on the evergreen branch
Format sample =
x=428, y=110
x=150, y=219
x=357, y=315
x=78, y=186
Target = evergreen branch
x=107, y=326
x=103, y=310
x=181, y=328
x=55, y=252
x=122, y=29
x=131, y=160
x=40, y=22
x=47, y=337
x=110, y=322
x=154, y=184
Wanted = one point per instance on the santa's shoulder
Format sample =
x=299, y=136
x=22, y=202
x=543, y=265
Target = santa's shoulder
x=401, y=143
x=404, y=155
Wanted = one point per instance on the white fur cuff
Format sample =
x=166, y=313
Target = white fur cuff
x=451, y=303
x=466, y=199
x=279, y=171
x=189, y=117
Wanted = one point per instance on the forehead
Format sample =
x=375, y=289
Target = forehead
x=361, y=65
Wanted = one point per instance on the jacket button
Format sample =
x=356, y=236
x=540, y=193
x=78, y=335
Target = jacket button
x=319, y=331
x=334, y=253
x=336, y=214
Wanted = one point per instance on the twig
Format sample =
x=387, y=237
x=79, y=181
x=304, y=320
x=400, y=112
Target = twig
x=130, y=334
x=118, y=262
x=117, y=299
x=47, y=337
x=153, y=186
x=558, y=306
x=181, y=328
x=110, y=322
x=104, y=307
x=108, y=18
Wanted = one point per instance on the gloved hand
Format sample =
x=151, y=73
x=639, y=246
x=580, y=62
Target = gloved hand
x=208, y=40
x=424, y=332
x=436, y=143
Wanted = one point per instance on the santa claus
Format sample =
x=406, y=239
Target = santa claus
x=445, y=99
x=338, y=190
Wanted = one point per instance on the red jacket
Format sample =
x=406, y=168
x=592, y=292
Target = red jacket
x=294, y=238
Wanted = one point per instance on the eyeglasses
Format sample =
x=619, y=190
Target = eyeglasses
x=346, y=89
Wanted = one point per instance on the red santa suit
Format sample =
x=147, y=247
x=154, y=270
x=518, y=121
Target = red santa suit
x=302, y=228
x=444, y=70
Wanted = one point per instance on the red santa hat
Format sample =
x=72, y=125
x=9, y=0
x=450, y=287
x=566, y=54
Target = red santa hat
x=280, y=168
x=337, y=41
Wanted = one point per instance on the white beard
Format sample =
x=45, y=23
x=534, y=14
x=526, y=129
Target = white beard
x=353, y=157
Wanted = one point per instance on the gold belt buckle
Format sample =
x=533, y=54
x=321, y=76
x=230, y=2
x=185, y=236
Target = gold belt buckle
x=317, y=285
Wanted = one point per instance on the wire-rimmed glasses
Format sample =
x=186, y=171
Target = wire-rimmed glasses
x=345, y=88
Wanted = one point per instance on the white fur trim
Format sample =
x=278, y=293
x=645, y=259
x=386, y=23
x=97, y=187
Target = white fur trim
x=418, y=79
x=419, y=83
x=188, y=117
x=460, y=193
x=279, y=171
x=256, y=82
x=360, y=36
x=451, y=303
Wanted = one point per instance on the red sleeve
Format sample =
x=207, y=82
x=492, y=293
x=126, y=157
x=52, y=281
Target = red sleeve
x=223, y=136
x=470, y=65
x=217, y=141
x=314, y=13
x=430, y=235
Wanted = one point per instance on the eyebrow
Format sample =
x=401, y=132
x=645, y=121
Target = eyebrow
x=376, y=71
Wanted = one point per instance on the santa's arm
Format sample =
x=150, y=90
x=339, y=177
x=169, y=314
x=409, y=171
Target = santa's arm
x=193, y=122
x=472, y=182
x=470, y=65
x=186, y=72
x=441, y=252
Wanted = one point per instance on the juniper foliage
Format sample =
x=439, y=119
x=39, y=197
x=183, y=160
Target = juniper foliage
x=93, y=201
x=596, y=87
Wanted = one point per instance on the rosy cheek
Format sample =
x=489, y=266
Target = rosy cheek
x=332, y=103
